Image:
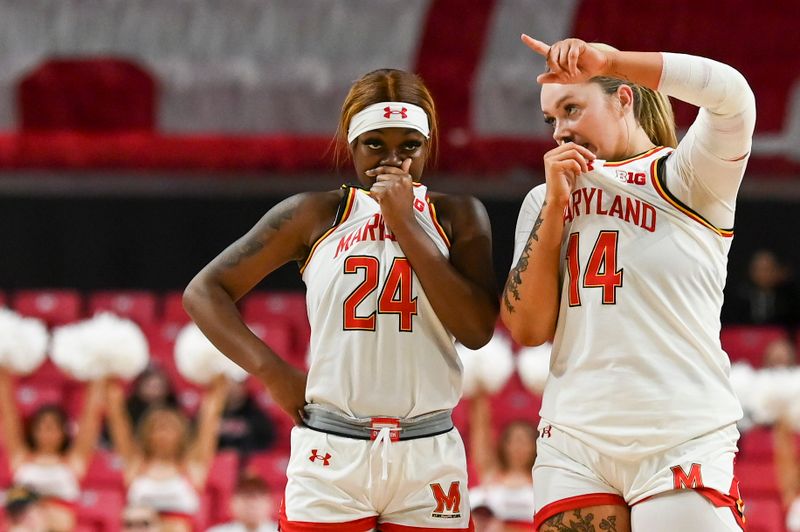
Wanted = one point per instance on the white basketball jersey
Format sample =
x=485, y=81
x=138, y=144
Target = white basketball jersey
x=636, y=365
x=377, y=347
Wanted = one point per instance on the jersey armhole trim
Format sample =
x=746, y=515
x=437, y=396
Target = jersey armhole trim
x=657, y=170
x=345, y=207
x=436, y=223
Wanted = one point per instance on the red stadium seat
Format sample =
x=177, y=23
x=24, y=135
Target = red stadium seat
x=137, y=306
x=55, y=307
x=220, y=485
x=104, y=472
x=291, y=306
x=757, y=478
x=31, y=398
x=756, y=445
x=173, y=309
x=101, y=509
x=45, y=386
x=271, y=466
x=514, y=402
x=89, y=95
x=764, y=515
x=277, y=333
x=746, y=343
x=5, y=470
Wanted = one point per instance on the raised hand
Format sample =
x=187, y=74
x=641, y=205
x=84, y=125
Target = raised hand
x=570, y=60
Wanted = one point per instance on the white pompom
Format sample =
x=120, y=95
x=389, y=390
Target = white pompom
x=533, y=365
x=773, y=393
x=103, y=346
x=487, y=368
x=470, y=382
x=23, y=342
x=742, y=379
x=199, y=361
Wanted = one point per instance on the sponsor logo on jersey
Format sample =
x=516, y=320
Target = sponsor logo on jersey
x=324, y=458
x=448, y=505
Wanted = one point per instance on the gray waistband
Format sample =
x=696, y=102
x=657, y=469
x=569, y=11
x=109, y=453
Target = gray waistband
x=321, y=419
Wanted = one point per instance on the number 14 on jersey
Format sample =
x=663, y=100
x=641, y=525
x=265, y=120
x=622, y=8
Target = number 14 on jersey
x=601, y=268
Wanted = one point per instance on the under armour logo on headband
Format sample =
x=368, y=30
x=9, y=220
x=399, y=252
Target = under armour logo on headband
x=389, y=112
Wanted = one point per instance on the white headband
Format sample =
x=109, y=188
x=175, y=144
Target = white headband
x=388, y=114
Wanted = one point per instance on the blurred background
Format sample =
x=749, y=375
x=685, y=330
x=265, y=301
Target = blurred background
x=138, y=138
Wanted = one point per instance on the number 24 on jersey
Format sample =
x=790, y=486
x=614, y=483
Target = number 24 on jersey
x=395, y=297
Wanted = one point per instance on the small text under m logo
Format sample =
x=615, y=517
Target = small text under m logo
x=448, y=506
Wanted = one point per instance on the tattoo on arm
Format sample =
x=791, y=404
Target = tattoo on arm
x=247, y=248
x=515, y=277
x=580, y=523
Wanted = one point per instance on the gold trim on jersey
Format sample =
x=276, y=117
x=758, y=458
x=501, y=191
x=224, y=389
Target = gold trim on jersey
x=635, y=157
x=436, y=224
x=340, y=218
x=662, y=190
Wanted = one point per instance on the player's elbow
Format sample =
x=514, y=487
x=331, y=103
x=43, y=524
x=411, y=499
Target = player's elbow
x=195, y=295
x=477, y=338
x=526, y=330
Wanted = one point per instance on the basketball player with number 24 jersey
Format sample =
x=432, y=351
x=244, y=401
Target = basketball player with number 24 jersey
x=394, y=274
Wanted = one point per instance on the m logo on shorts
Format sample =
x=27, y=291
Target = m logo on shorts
x=447, y=506
x=681, y=480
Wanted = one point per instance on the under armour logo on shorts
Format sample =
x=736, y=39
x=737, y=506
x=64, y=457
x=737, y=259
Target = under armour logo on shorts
x=547, y=432
x=388, y=112
x=316, y=456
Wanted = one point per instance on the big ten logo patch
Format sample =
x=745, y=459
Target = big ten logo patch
x=682, y=480
x=448, y=505
x=419, y=205
x=631, y=178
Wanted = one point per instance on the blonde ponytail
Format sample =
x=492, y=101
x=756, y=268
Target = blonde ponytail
x=651, y=109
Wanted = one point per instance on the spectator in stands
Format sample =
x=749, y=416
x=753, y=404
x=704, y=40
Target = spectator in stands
x=483, y=516
x=140, y=519
x=150, y=389
x=504, y=470
x=165, y=466
x=251, y=506
x=787, y=467
x=43, y=456
x=769, y=297
x=245, y=428
x=24, y=510
x=779, y=353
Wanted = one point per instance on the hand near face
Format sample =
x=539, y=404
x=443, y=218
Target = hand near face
x=393, y=190
x=570, y=60
x=562, y=165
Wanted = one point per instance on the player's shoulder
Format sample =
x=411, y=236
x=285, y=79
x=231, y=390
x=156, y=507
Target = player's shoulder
x=450, y=205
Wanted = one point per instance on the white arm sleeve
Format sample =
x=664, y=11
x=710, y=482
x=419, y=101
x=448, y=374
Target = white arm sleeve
x=706, y=169
x=528, y=213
